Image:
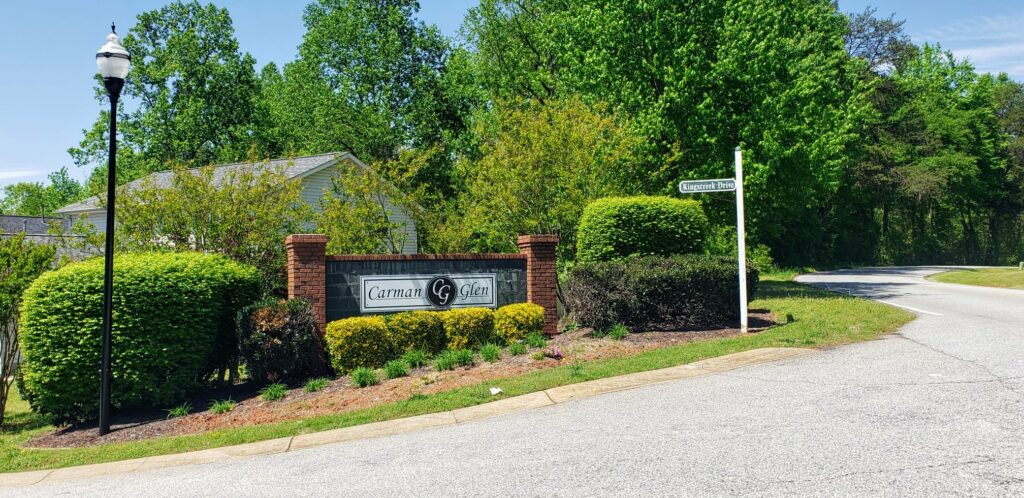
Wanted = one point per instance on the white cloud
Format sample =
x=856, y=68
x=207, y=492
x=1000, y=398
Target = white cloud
x=993, y=44
x=17, y=173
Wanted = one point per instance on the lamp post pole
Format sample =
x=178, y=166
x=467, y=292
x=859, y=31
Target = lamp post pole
x=113, y=62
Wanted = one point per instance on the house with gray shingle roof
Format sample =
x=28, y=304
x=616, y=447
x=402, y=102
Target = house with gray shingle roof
x=314, y=172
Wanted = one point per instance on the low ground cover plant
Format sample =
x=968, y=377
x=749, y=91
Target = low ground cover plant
x=464, y=357
x=657, y=292
x=278, y=340
x=174, y=328
x=618, y=227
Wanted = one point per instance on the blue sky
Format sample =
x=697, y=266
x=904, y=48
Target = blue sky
x=46, y=96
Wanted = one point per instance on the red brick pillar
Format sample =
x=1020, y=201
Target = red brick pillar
x=541, y=276
x=307, y=276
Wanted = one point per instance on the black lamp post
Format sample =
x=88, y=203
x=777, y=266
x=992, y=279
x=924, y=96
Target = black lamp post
x=113, y=62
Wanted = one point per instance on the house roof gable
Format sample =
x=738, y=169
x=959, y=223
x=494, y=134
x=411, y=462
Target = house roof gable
x=297, y=167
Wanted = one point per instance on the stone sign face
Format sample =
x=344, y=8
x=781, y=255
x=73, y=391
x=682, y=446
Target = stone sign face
x=698, y=186
x=388, y=293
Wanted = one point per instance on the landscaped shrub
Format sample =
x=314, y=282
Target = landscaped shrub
x=417, y=330
x=657, y=292
x=173, y=322
x=616, y=227
x=466, y=327
x=516, y=321
x=278, y=340
x=361, y=341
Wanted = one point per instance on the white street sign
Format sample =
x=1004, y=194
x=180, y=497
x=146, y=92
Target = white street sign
x=698, y=186
x=729, y=185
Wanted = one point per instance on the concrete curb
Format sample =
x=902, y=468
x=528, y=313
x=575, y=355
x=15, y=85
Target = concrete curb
x=411, y=424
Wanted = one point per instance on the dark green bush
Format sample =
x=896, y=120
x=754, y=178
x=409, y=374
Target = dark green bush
x=616, y=227
x=173, y=325
x=279, y=340
x=657, y=292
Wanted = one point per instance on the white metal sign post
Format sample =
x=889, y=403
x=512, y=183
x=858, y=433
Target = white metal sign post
x=727, y=185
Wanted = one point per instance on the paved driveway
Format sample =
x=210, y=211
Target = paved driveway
x=937, y=409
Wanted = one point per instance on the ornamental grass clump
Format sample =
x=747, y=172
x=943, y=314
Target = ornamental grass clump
x=517, y=348
x=396, y=368
x=415, y=358
x=274, y=392
x=490, y=352
x=464, y=357
x=364, y=377
x=445, y=361
x=223, y=406
x=536, y=340
x=317, y=384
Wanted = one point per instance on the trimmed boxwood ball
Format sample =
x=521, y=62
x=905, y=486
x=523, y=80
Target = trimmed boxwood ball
x=657, y=292
x=173, y=325
x=278, y=340
x=616, y=227
x=467, y=327
x=417, y=330
x=515, y=321
x=361, y=341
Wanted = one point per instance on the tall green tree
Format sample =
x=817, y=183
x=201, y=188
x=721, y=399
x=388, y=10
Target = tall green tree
x=373, y=80
x=192, y=97
x=697, y=78
x=37, y=199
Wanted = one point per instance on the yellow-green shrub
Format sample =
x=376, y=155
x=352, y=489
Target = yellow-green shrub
x=417, y=330
x=516, y=321
x=361, y=341
x=466, y=327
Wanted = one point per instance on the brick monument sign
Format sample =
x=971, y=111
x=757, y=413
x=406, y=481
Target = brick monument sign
x=339, y=286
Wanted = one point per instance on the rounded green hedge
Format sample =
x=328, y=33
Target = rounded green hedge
x=173, y=325
x=616, y=227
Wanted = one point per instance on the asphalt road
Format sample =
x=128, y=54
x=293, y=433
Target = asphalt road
x=937, y=409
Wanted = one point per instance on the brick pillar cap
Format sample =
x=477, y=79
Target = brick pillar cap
x=549, y=238
x=307, y=238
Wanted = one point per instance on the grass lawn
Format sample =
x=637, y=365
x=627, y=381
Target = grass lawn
x=820, y=319
x=1008, y=278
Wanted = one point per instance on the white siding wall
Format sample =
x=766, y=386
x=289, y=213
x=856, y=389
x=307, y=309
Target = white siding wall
x=96, y=218
x=313, y=188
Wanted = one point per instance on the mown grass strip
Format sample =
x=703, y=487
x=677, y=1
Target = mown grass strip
x=1006, y=278
x=820, y=319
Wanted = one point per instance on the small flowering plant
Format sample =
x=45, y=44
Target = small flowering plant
x=553, y=353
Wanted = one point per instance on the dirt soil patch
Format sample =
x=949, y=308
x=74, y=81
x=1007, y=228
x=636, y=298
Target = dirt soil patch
x=342, y=396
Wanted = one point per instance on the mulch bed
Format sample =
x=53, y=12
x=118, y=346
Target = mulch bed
x=341, y=396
